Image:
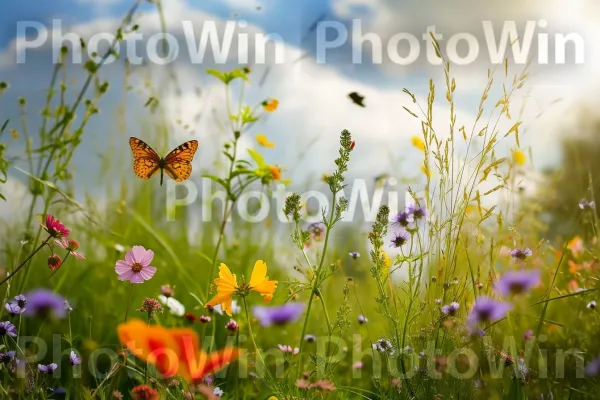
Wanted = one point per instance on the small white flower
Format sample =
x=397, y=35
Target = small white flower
x=235, y=308
x=218, y=392
x=174, y=305
x=591, y=305
x=119, y=247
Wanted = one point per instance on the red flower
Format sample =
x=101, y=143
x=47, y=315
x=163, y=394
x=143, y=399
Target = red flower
x=54, y=262
x=71, y=246
x=54, y=227
x=190, y=317
x=144, y=392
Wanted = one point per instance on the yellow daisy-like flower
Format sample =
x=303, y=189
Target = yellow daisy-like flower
x=263, y=141
x=519, y=157
x=227, y=286
x=270, y=105
x=418, y=143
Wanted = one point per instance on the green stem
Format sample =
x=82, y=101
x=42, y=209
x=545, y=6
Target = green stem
x=128, y=303
x=26, y=260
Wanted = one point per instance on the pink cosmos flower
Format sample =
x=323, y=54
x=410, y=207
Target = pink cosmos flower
x=70, y=246
x=288, y=349
x=136, y=266
x=54, y=227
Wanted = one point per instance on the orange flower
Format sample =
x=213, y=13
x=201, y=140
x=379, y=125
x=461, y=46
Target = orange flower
x=275, y=172
x=227, y=286
x=270, y=105
x=173, y=351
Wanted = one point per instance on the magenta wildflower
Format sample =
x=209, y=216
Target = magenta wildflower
x=521, y=254
x=54, y=262
x=517, y=282
x=278, y=315
x=136, y=266
x=71, y=246
x=357, y=365
x=205, y=319
x=487, y=310
x=47, y=369
x=232, y=326
x=167, y=291
x=6, y=328
x=75, y=360
x=528, y=335
x=54, y=227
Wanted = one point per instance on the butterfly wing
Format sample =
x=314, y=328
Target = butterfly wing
x=146, y=162
x=178, y=163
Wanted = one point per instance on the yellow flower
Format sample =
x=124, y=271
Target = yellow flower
x=272, y=398
x=387, y=263
x=270, y=105
x=418, y=143
x=227, y=286
x=519, y=157
x=263, y=141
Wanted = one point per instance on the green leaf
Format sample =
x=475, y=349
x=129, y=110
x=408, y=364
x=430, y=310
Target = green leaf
x=4, y=125
x=258, y=158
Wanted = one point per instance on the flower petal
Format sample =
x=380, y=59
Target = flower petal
x=122, y=267
x=129, y=257
x=136, y=278
x=139, y=253
x=148, y=272
x=259, y=273
x=146, y=258
x=126, y=276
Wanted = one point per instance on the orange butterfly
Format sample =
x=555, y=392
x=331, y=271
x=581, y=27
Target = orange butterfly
x=177, y=164
x=173, y=351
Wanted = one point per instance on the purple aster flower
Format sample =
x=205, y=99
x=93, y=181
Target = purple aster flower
x=21, y=301
x=400, y=239
x=487, y=310
x=528, y=335
x=593, y=368
x=13, y=309
x=591, y=305
x=362, y=319
x=43, y=303
x=48, y=369
x=517, y=282
x=403, y=219
x=6, y=328
x=451, y=309
x=75, y=360
x=279, y=315
x=310, y=338
x=521, y=254
x=7, y=357
x=355, y=254
x=416, y=211
x=384, y=346
x=585, y=205
x=136, y=267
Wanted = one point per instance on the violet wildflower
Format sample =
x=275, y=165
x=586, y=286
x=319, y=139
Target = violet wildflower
x=400, y=239
x=416, y=211
x=279, y=315
x=528, y=335
x=451, y=309
x=21, y=300
x=54, y=227
x=13, y=309
x=487, y=310
x=593, y=368
x=7, y=328
x=585, y=205
x=517, y=282
x=71, y=246
x=521, y=254
x=362, y=319
x=310, y=338
x=355, y=254
x=218, y=392
x=47, y=369
x=7, y=357
x=316, y=230
x=591, y=305
x=384, y=346
x=136, y=267
x=75, y=360
x=403, y=219
x=43, y=303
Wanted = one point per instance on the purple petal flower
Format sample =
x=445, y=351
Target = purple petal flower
x=451, y=309
x=521, y=254
x=280, y=315
x=403, y=219
x=75, y=360
x=21, y=301
x=13, y=309
x=136, y=267
x=585, y=205
x=355, y=254
x=48, y=369
x=362, y=319
x=44, y=303
x=517, y=282
x=593, y=368
x=487, y=310
x=7, y=357
x=400, y=239
x=6, y=328
x=416, y=211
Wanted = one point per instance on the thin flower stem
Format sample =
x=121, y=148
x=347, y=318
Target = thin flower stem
x=128, y=303
x=61, y=264
x=252, y=336
x=26, y=260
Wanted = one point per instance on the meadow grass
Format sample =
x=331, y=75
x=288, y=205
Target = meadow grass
x=452, y=316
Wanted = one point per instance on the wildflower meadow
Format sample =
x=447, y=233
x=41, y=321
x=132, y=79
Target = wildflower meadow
x=183, y=229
